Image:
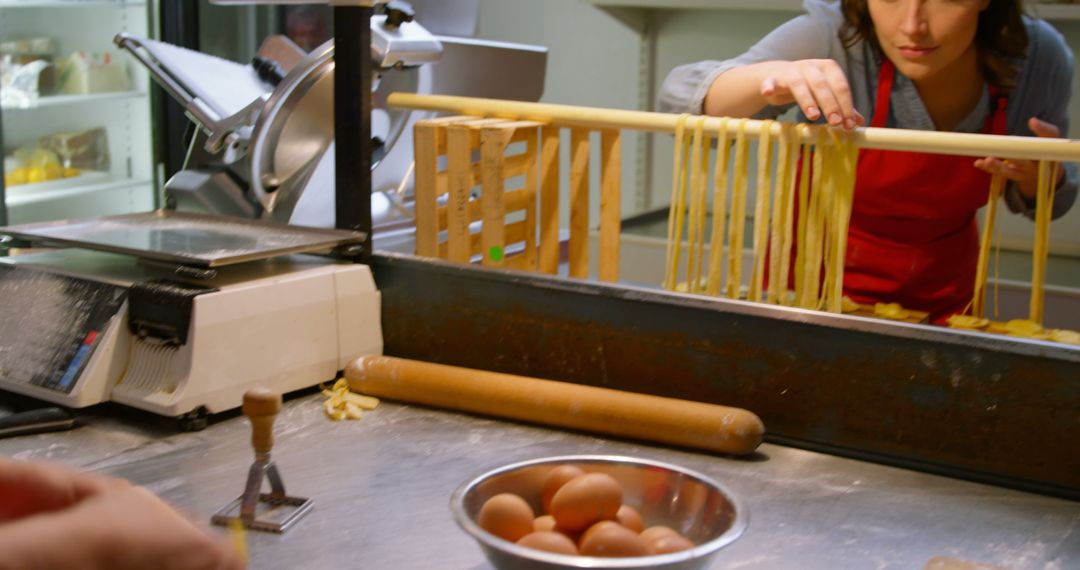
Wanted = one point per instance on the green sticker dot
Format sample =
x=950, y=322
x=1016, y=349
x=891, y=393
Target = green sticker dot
x=495, y=253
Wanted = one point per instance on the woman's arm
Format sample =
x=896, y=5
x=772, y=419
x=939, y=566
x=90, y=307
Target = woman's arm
x=757, y=83
x=818, y=86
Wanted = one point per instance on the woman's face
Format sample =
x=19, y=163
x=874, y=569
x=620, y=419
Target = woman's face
x=926, y=37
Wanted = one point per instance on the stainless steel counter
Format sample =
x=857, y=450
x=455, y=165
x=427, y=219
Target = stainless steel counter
x=381, y=487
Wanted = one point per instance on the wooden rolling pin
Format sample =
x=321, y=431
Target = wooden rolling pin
x=599, y=410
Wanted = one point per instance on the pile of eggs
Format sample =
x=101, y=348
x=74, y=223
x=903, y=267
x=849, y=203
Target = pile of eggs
x=583, y=514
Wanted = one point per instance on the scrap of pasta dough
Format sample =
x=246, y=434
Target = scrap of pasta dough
x=342, y=404
x=891, y=311
x=1064, y=336
x=1019, y=327
x=968, y=322
x=848, y=306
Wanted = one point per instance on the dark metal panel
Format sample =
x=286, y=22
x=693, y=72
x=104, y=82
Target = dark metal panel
x=991, y=409
x=352, y=113
x=179, y=26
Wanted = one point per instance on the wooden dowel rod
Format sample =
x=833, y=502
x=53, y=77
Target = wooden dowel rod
x=1031, y=148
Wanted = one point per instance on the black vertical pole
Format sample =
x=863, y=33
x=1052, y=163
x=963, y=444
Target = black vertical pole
x=352, y=127
x=179, y=26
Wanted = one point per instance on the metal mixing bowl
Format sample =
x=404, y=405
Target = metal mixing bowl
x=689, y=502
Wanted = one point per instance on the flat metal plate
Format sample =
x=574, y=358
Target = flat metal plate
x=197, y=240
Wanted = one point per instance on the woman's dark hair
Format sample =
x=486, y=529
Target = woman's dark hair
x=1001, y=38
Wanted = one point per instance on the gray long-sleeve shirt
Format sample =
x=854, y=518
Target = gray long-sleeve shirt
x=1043, y=88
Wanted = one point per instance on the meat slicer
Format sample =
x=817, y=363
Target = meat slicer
x=265, y=147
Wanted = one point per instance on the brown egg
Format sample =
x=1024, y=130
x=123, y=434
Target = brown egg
x=507, y=516
x=630, y=518
x=547, y=523
x=654, y=532
x=668, y=543
x=614, y=540
x=585, y=500
x=544, y=523
x=555, y=480
x=594, y=529
x=549, y=541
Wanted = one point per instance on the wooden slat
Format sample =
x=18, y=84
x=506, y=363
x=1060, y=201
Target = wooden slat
x=493, y=142
x=532, y=155
x=513, y=201
x=515, y=233
x=513, y=165
x=474, y=123
x=460, y=178
x=579, y=203
x=520, y=261
x=610, y=206
x=549, y=200
x=425, y=142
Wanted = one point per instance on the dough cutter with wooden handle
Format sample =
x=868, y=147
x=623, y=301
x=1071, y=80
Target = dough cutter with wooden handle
x=684, y=423
x=274, y=511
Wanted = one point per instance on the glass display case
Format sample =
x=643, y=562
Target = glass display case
x=77, y=127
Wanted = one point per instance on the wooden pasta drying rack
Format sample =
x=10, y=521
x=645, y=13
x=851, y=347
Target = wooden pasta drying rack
x=487, y=154
x=464, y=162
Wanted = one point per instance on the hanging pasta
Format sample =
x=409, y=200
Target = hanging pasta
x=842, y=180
x=675, y=210
x=699, y=171
x=978, y=303
x=1044, y=202
x=781, y=230
x=811, y=236
x=719, y=215
x=761, y=210
x=737, y=225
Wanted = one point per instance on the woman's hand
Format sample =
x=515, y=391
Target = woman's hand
x=99, y=523
x=28, y=488
x=1024, y=172
x=818, y=86
x=145, y=532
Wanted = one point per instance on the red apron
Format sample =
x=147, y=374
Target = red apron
x=913, y=237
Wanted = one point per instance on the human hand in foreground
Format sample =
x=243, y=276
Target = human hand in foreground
x=1024, y=172
x=818, y=86
x=69, y=519
x=28, y=488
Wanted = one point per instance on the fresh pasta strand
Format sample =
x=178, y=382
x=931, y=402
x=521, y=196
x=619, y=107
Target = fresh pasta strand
x=738, y=212
x=703, y=206
x=814, y=237
x=1043, y=210
x=780, y=235
x=843, y=180
x=678, y=194
x=695, y=222
x=720, y=187
x=761, y=209
x=978, y=301
x=804, y=211
x=789, y=224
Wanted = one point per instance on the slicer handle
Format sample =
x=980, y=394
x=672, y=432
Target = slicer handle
x=261, y=406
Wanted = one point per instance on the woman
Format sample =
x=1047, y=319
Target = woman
x=949, y=65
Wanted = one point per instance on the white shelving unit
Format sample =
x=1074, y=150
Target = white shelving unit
x=128, y=184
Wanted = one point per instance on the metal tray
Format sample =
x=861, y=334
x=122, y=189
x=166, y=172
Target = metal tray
x=197, y=240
